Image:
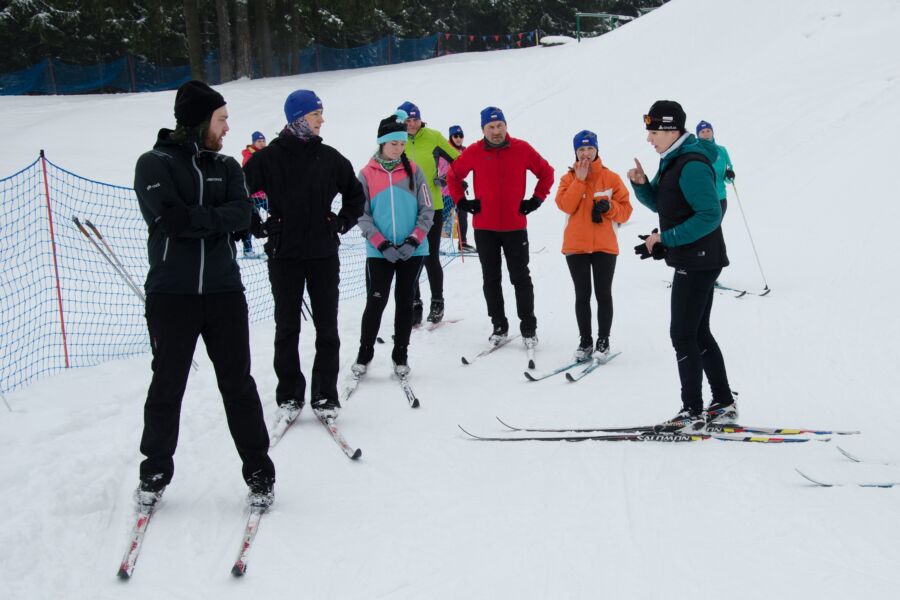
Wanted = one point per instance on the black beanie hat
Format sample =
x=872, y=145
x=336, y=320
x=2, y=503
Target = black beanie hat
x=392, y=128
x=195, y=102
x=665, y=115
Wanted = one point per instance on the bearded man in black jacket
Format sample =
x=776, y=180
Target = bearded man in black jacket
x=301, y=177
x=192, y=199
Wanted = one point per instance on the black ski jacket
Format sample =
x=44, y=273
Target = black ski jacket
x=200, y=260
x=301, y=180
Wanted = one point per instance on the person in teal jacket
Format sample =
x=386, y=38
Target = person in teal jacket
x=683, y=193
x=722, y=165
x=396, y=218
x=426, y=147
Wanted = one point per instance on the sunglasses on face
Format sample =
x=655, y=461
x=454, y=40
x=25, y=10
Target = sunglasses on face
x=459, y=135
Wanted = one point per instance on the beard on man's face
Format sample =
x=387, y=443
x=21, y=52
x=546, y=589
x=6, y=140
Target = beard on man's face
x=213, y=142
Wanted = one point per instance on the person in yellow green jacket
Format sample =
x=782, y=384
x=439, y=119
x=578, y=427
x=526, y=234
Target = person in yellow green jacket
x=596, y=202
x=425, y=148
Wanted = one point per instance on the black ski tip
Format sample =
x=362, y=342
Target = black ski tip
x=379, y=340
x=766, y=291
x=415, y=403
x=123, y=575
x=531, y=364
x=464, y=361
x=528, y=375
x=356, y=454
x=507, y=425
x=238, y=570
x=570, y=378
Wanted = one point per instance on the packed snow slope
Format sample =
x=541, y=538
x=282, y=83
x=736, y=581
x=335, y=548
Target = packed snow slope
x=804, y=95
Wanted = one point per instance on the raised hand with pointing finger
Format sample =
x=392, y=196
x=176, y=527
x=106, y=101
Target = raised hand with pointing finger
x=637, y=175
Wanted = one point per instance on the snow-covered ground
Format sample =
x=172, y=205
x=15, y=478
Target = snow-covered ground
x=803, y=94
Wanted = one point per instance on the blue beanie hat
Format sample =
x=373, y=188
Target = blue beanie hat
x=393, y=128
x=585, y=138
x=455, y=130
x=491, y=113
x=704, y=125
x=256, y=136
x=300, y=103
x=411, y=110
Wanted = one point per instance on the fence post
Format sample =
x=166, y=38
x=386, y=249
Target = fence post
x=131, y=72
x=52, y=73
x=62, y=320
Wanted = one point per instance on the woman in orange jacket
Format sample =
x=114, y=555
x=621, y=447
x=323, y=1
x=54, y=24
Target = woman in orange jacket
x=594, y=198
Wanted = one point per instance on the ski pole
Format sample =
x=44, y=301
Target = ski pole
x=462, y=256
x=121, y=273
x=304, y=305
x=8, y=407
x=127, y=280
x=115, y=257
x=750, y=235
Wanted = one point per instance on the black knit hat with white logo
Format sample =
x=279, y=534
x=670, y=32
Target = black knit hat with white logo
x=665, y=115
x=195, y=102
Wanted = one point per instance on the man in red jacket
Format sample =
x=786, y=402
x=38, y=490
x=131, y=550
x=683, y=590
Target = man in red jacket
x=500, y=162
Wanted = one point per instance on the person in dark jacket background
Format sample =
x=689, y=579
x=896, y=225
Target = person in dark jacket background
x=690, y=239
x=192, y=199
x=301, y=177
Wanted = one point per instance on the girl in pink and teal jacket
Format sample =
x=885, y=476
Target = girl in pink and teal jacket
x=396, y=218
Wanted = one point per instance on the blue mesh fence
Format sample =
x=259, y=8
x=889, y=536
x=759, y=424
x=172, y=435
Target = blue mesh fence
x=130, y=74
x=62, y=304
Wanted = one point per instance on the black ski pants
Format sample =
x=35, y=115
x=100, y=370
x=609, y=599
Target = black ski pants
x=696, y=349
x=433, y=260
x=379, y=275
x=602, y=266
x=175, y=322
x=462, y=219
x=320, y=277
x=514, y=246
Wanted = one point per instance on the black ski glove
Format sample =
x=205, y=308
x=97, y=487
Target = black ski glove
x=271, y=226
x=729, y=174
x=336, y=224
x=470, y=206
x=530, y=205
x=599, y=209
x=658, y=252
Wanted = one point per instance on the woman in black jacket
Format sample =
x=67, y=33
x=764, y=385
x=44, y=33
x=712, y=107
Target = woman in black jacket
x=301, y=177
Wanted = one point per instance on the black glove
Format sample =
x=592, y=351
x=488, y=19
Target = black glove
x=470, y=206
x=412, y=241
x=174, y=218
x=272, y=226
x=599, y=209
x=658, y=252
x=729, y=174
x=530, y=205
x=336, y=224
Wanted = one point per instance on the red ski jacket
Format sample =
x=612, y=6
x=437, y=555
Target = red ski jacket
x=499, y=175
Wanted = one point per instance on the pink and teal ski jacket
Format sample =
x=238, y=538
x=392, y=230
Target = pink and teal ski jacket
x=392, y=211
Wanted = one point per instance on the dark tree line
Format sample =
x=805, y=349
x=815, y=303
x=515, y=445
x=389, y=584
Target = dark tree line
x=268, y=33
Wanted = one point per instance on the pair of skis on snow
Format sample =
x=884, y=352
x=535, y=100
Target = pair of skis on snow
x=866, y=481
x=651, y=433
x=589, y=365
x=142, y=522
